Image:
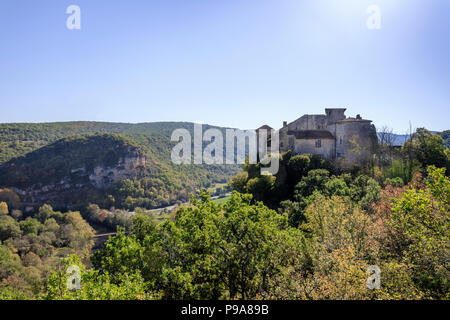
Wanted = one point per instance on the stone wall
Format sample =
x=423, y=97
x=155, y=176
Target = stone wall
x=306, y=122
x=355, y=142
x=308, y=146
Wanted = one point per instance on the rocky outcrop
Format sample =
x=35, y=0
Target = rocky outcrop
x=73, y=170
x=103, y=177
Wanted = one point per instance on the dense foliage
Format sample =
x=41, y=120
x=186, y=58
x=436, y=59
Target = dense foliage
x=310, y=232
x=59, y=160
x=240, y=250
x=31, y=248
x=446, y=138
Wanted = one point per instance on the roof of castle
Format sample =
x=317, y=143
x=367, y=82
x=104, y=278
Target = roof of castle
x=354, y=120
x=311, y=134
x=266, y=127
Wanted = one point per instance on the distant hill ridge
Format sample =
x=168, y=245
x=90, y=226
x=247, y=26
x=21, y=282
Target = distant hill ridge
x=17, y=139
x=400, y=139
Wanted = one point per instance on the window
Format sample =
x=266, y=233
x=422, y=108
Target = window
x=340, y=140
x=319, y=144
x=291, y=141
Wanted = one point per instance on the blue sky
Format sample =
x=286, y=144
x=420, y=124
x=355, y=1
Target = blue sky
x=236, y=63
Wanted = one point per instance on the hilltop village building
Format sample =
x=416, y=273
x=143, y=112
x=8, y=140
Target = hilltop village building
x=348, y=141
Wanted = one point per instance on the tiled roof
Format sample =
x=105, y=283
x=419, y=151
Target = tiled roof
x=311, y=134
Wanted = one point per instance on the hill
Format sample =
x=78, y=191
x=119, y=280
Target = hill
x=400, y=139
x=17, y=139
x=69, y=158
x=51, y=152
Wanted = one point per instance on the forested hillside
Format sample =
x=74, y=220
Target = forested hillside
x=17, y=139
x=56, y=161
x=159, y=183
x=446, y=137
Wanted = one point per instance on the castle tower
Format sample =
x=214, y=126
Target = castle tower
x=335, y=114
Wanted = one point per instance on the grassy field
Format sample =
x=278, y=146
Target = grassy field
x=213, y=189
x=221, y=200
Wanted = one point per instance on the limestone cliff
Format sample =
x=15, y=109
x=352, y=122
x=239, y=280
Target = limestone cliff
x=72, y=169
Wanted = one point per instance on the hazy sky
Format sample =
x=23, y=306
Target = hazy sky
x=236, y=63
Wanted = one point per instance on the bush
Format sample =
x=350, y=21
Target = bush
x=395, y=182
x=3, y=208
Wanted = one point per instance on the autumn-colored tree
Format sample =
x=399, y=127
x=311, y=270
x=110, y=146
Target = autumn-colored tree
x=10, y=197
x=4, y=208
x=409, y=232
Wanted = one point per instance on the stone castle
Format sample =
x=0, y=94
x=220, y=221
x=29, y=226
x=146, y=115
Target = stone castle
x=348, y=141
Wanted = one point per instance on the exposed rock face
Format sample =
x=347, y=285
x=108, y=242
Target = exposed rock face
x=103, y=177
x=73, y=171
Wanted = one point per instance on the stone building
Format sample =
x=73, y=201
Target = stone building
x=348, y=141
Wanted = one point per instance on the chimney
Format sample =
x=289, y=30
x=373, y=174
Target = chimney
x=284, y=124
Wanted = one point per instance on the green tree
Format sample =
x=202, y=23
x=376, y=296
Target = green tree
x=297, y=167
x=239, y=182
x=9, y=228
x=395, y=182
x=94, y=285
x=428, y=149
x=10, y=197
x=422, y=216
x=235, y=250
x=261, y=188
x=365, y=191
x=315, y=180
x=143, y=226
x=46, y=212
x=121, y=254
x=338, y=187
x=30, y=226
x=259, y=247
x=338, y=250
x=78, y=234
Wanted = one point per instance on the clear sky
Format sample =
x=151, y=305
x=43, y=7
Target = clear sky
x=236, y=63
